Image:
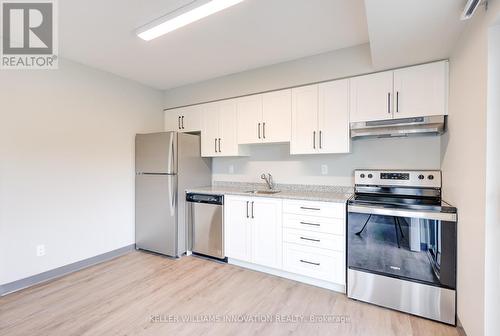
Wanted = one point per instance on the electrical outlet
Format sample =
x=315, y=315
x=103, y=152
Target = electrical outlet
x=231, y=169
x=324, y=169
x=40, y=250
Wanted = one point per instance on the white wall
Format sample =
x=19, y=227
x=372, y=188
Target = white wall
x=492, y=229
x=464, y=164
x=330, y=65
x=408, y=153
x=379, y=153
x=67, y=164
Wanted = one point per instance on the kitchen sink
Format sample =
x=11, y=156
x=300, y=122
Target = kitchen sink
x=263, y=192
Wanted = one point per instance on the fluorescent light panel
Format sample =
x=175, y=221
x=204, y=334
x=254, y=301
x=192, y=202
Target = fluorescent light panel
x=190, y=13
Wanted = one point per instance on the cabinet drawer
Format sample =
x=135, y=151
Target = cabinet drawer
x=315, y=224
x=314, y=262
x=310, y=208
x=314, y=239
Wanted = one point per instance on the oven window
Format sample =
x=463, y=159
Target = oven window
x=411, y=248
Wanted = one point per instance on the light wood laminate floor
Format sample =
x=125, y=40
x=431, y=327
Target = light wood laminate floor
x=124, y=295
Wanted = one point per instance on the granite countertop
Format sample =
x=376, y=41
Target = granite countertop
x=338, y=194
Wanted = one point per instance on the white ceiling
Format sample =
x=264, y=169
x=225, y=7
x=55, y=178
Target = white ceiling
x=412, y=31
x=251, y=34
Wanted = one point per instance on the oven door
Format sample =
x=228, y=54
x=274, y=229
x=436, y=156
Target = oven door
x=407, y=244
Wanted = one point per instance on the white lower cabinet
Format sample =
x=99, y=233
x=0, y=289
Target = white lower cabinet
x=253, y=230
x=303, y=240
x=319, y=263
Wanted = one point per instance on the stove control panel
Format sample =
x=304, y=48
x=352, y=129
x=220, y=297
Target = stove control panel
x=407, y=178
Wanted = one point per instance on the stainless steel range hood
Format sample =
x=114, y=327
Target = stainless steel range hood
x=433, y=125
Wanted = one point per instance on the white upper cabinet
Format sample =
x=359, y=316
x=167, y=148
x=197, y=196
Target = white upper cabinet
x=416, y=91
x=304, y=120
x=265, y=117
x=371, y=97
x=421, y=90
x=210, y=129
x=219, y=131
x=228, y=128
x=277, y=116
x=184, y=119
x=333, y=117
x=249, y=119
x=320, y=118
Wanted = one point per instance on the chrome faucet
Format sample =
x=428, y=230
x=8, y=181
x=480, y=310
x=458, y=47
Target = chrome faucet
x=269, y=180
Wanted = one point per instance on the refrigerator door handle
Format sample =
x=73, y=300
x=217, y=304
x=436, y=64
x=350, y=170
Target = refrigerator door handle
x=171, y=155
x=171, y=192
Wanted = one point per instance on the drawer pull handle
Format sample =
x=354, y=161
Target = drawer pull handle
x=307, y=208
x=314, y=240
x=309, y=262
x=313, y=224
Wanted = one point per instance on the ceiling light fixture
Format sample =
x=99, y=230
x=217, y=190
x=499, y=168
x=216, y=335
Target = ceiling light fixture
x=470, y=8
x=193, y=11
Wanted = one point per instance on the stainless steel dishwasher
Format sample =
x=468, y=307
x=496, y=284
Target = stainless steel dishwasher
x=206, y=224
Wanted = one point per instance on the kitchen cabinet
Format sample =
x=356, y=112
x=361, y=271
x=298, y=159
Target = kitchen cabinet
x=219, y=130
x=264, y=118
x=371, y=97
x=421, y=90
x=403, y=93
x=249, y=119
x=184, y=119
x=314, y=239
x=237, y=228
x=253, y=230
x=320, y=118
x=267, y=232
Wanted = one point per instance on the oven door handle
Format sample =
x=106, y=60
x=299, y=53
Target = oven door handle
x=373, y=210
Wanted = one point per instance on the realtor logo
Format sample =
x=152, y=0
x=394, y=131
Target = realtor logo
x=29, y=34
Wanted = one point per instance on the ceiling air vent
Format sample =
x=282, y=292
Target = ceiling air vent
x=470, y=8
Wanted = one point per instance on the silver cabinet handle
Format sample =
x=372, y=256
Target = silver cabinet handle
x=307, y=208
x=215, y=145
x=397, y=101
x=247, y=209
x=314, y=240
x=258, y=130
x=389, y=103
x=309, y=262
x=179, y=122
x=219, y=146
x=312, y=224
x=264, y=130
x=182, y=122
x=314, y=139
x=252, y=210
x=320, y=139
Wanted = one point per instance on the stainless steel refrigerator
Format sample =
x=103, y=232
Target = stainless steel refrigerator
x=166, y=164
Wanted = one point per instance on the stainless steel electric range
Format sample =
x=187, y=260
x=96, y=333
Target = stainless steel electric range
x=402, y=243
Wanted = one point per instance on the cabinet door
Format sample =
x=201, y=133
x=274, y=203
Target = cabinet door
x=249, y=119
x=228, y=129
x=277, y=116
x=210, y=129
x=421, y=90
x=304, y=120
x=333, y=117
x=371, y=97
x=172, y=120
x=237, y=228
x=191, y=118
x=267, y=237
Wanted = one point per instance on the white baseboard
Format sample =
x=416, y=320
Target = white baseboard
x=292, y=276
